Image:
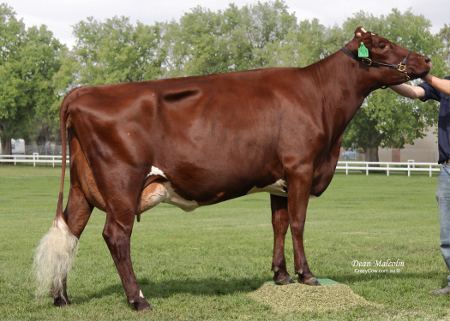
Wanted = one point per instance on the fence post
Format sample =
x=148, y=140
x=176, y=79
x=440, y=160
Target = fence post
x=387, y=172
x=410, y=161
x=346, y=168
x=35, y=155
x=367, y=169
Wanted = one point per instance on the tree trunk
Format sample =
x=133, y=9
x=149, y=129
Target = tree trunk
x=43, y=140
x=6, y=146
x=371, y=154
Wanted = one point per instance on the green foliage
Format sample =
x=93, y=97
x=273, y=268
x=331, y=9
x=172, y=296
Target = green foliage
x=11, y=32
x=302, y=46
x=116, y=51
x=29, y=60
x=205, y=42
x=62, y=81
x=444, y=36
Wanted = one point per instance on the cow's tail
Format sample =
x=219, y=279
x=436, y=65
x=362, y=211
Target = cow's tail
x=56, y=250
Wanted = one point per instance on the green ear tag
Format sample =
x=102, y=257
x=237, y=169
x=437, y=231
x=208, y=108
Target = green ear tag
x=363, y=52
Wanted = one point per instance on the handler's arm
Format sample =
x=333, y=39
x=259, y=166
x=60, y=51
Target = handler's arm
x=443, y=85
x=409, y=91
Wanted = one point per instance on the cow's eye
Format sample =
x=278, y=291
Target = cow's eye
x=382, y=45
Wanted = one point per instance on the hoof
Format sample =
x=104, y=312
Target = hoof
x=60, y=301
x=308, y=280
x=283, y=279
x=141, y=305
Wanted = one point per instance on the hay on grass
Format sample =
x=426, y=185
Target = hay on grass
x=298, y=297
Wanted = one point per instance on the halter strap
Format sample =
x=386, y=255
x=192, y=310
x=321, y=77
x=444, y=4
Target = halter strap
x=401, y=67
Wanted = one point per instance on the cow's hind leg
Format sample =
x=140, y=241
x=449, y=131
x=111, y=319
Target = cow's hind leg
x=122, y=198
x=117, y=233
x=280, y=224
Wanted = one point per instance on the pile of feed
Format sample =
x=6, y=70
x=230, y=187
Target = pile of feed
x=298, y=297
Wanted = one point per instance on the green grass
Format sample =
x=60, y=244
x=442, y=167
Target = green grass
x=202, y=265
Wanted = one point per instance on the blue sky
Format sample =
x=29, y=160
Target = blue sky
x=61, y=15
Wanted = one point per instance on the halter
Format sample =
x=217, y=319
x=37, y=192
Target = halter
x=400, y=67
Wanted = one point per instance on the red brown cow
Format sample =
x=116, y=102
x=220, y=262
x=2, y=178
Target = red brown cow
x=201, y=140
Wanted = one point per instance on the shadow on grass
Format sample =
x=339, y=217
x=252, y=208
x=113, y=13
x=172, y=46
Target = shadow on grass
x=168, y=288
x=219, y=287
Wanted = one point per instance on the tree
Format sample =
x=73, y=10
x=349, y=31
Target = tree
x=12, y=32
x=303, y=45
x=386, y=119
x=29, y=59
x=117, y=51
x=205, y=42
x=444, y=36
x=194, y=44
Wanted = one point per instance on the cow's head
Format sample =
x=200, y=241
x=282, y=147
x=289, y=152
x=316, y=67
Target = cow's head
x=388, y=62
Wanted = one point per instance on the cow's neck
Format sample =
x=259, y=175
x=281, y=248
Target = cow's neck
x=346, y=83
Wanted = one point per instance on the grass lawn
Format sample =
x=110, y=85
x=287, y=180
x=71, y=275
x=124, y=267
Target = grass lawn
x=203, y=265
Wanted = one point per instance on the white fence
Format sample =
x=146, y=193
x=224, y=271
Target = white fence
x=34, y=159
x=387, y=167
x=348, y=167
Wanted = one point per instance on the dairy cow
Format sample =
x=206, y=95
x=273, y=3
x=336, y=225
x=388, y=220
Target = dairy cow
x=197, y=141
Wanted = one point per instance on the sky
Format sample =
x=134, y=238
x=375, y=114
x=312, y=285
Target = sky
x=61, y=15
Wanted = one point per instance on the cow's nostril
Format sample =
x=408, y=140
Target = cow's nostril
x=427, y=59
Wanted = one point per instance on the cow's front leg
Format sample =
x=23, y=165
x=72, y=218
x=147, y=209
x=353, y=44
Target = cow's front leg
x=299, y=186
x=117, y=234
x=280, y=224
